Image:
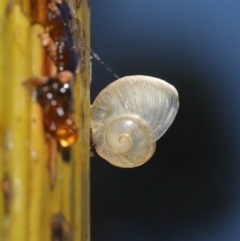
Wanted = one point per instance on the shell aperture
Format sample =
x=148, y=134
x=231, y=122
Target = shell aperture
x=129, y=115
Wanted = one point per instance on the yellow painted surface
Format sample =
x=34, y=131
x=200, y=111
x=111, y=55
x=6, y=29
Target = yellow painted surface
x=23, y=145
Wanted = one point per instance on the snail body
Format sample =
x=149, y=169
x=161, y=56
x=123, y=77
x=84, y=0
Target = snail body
x=129, y=115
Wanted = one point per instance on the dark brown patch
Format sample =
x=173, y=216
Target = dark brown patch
x=65, y=153
x=7, y=192
x=60, y=230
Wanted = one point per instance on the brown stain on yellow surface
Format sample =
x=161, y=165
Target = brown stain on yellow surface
x=7, y=193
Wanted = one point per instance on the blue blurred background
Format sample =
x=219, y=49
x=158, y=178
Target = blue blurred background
x=190, y=189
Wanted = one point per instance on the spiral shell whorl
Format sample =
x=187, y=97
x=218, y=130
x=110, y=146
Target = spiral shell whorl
x=129, y=115
x=130, y=141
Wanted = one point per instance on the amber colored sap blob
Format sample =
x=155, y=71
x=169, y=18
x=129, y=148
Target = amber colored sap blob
x=67, y=133
x=54, y=96
x=58, y=26
x=56, y=102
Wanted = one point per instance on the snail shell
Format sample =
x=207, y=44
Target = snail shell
x=129, y=115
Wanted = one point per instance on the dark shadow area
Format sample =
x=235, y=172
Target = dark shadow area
x=189, y=190
x=188, y=181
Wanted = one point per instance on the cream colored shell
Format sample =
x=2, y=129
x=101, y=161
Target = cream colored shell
x=129, y=115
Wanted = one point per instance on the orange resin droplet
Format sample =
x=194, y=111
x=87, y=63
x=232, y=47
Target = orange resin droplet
x=67, y=133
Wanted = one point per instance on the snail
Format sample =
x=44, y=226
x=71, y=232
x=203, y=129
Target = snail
x=129, y=116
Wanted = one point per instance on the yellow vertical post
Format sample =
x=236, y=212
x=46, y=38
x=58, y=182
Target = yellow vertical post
x=31, y=209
